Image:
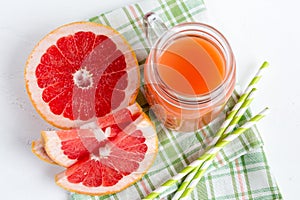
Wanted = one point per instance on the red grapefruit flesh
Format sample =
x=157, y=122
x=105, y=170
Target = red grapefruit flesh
x=79, y=72
x=105, y=156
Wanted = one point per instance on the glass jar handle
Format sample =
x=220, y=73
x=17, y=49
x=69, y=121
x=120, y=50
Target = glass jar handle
x=154, y=27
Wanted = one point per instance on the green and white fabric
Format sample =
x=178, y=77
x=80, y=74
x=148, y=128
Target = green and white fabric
x=240, y=170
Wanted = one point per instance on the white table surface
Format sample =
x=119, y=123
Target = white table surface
x=257, y=30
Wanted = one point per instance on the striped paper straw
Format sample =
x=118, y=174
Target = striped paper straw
x=220, y=145
x=230, y=126
x=257, y=77
x=230, y=122
x=240, y=101
x=168, y=184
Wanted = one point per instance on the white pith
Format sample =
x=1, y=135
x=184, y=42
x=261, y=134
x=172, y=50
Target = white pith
x=104, y=151
x=83, y=79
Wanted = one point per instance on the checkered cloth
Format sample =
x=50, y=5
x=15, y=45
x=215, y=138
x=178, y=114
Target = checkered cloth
x=240, y=171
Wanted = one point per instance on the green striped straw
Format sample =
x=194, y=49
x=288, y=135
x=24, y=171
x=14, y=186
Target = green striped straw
x=240, y=101
x=168, y=184
x=235, y=114
x=220, y=145
x=230, y=126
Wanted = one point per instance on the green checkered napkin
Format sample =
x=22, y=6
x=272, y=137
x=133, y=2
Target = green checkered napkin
x=240, y=171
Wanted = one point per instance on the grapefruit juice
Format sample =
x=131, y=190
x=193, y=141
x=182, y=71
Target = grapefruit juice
x=189, y=76
x=191, y=66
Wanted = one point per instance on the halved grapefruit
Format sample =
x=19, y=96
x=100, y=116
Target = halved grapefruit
x=105, y=156
x=80, y=71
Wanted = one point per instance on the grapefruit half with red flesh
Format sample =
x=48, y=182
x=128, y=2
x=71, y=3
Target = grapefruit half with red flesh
x=81, y=71
x=105, y=156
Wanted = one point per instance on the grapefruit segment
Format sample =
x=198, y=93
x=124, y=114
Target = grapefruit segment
x=104, y=156
x=73, y=72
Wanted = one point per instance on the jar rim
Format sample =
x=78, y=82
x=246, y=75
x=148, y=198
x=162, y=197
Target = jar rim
x=207, y=32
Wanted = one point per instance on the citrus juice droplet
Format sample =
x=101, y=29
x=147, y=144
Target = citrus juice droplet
x=191, y=66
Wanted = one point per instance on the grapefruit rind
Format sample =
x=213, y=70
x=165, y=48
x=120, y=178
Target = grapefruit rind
x=35, y=92
x=144, y=124
x=37, y=148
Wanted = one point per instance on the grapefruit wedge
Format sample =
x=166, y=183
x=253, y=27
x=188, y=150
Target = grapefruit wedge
x=81, y=71
x=105, y=156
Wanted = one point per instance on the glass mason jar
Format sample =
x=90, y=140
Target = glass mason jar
x=178, y=111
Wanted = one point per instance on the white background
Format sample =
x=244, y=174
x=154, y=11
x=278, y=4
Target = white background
x=257, y=30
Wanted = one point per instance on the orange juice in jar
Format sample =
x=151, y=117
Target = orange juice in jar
x=189, y=74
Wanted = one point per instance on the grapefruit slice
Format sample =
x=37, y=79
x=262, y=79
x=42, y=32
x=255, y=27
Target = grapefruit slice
x=105, y=156
x=79, y=72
